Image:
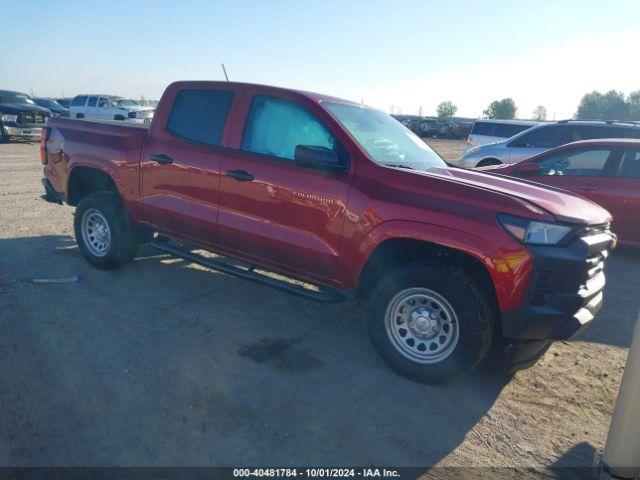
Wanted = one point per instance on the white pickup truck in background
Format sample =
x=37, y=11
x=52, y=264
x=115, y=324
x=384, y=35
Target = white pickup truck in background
x=109, y=107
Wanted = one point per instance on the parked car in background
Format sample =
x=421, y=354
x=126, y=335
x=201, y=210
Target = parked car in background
x=20, y=116
x=56, y=109
x=606, y=171
x=64, y=101
x=109, y=107
x=330, y=193
x=490, y=131
x=545, y=137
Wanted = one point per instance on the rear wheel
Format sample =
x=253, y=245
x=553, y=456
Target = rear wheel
x=3, y=136
x=430, y=322
x=103, y=233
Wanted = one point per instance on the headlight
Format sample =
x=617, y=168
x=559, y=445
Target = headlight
x=9, y=118
x=533, y=232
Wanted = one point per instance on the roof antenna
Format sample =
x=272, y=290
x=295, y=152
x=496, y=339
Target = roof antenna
x=225, y=71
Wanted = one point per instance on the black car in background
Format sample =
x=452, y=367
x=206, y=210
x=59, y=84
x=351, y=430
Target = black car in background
x=57, y=110
x=20, y=116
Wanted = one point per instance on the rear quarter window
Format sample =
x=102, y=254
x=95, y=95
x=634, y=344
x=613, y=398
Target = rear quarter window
x=200, y=115
x=79, y=101
x=631, y=132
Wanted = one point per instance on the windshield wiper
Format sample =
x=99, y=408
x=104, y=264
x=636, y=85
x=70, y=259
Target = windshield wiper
x=398, y=165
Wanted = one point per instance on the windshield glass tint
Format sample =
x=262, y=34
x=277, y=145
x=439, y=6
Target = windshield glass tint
x=15, y=98
x=124, y=103
x=385, y=139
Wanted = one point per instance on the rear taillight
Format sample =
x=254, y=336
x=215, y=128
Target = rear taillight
x=44, y=138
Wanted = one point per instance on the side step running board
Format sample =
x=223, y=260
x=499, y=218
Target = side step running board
x=252, y=272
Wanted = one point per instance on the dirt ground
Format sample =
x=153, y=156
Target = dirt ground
x=165, y=363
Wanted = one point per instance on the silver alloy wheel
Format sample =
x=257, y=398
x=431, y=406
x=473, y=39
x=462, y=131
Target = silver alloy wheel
x=422, y=325
x=95, y=232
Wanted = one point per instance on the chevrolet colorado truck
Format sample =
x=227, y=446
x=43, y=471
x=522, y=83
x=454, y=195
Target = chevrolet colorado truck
x=333, y=200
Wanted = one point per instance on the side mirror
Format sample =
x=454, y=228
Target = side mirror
x=529, y=169
x=320, y=158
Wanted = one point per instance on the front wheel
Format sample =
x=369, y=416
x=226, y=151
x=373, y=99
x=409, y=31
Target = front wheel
x=430, y=322
x=104, y=235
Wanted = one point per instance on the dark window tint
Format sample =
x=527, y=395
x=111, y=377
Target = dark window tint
x=200, y=115
x=586, y=132
x=275, y=127
x=544, y=137
x=628, y=132
x=92, y=101
x=584, y=163
x=630, y=165
x=79, y=101
x=495, y=129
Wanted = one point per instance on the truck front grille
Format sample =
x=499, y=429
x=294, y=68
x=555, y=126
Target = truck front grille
x=29, y=118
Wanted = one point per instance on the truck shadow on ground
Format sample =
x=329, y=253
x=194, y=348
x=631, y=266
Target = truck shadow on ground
x=166, y=363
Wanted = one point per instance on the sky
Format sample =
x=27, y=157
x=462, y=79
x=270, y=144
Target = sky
x=403, y=55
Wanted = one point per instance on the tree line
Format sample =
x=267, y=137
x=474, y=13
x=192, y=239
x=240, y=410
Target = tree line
x=612, y=105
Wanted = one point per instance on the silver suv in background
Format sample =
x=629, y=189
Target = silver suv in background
x=490, y=131
x=544, y=137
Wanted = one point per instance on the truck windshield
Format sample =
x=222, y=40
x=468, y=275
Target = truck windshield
x=15, y=98
x=124, y=102
x=385, y=139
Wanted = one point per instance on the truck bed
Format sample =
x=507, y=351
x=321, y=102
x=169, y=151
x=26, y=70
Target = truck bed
x=112, y=146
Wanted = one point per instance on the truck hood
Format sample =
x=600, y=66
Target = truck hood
x=14, y=108
x=565, y=206
x=136, y=108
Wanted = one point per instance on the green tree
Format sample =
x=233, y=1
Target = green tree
x=610, y=106
x=633, y=100
x=502, y=109
x=540, y=113
x=446, y=109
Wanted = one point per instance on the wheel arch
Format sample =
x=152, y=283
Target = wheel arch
x=84, y=180
x=395, y=250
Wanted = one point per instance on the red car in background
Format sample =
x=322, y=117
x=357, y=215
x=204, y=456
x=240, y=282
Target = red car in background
x=606, y=171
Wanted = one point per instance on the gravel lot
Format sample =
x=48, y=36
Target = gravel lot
x=166, y=363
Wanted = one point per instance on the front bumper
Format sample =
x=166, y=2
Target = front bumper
x=30, y=131
x=564, y=294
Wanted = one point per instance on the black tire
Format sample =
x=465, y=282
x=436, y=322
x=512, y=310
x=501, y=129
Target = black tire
x=122, y=245
x=471, y=306
x=4, y=138
x=79, y=115
x=118, y=117
x=488, y=161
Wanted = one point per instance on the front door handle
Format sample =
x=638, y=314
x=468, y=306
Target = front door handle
x=161, y=158
x=240, y=175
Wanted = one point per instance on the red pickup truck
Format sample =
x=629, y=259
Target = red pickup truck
x=333, y=200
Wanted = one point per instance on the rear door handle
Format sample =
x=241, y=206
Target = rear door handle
x=240, y=175
x=161, y=158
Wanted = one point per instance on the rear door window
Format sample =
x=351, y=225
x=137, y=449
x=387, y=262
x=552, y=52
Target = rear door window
x=587, y=132
x=583, y=163
x=92, y=101
x=200, y=115
x=630, y=165
x=507, y=130
x=549, y=136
